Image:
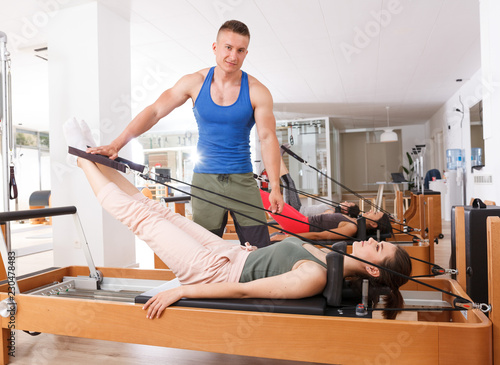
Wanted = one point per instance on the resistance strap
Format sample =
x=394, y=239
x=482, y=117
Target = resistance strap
x=459, y=301
x=12, y=183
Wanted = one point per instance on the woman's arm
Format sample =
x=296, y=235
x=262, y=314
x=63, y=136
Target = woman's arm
x=344, y=232
x=306, y=280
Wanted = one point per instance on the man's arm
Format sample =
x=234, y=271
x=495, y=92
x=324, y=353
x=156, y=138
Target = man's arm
x=270, y=149
x=307, y=280
x=146, y=119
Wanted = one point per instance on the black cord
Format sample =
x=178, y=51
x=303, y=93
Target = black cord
x=306, y=239
x=147, y=177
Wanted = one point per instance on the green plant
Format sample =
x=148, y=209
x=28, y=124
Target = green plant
x=409, y=171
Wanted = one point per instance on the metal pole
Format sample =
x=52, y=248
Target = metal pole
x=6, y=127
x=423, y=173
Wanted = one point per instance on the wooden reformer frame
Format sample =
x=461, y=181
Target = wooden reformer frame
x=272, y=335
x=424, y=216
x=447, y=337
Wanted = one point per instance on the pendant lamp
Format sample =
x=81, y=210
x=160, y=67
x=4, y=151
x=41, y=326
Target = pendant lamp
x=388, y=135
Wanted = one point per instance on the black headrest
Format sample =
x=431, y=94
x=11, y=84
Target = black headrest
x=361, y=233
x=353, y=289
x=335, y=274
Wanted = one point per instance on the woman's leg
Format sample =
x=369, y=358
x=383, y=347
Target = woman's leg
x=200, y=234
x=290, y=195
x=95, y=177
x=117, y=178
x=299, y=223
x=188, y=259
x=107, y=174
x=175, y=239
x=316, y=209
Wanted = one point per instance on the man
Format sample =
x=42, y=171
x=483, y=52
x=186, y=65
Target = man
x=227, y=102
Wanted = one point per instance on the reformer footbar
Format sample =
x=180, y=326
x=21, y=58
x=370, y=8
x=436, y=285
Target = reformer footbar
x=118, y=163
x=459, y=301
x=92, y=282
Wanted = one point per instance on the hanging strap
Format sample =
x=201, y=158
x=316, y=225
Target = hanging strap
x=118, y=163
x=12, y=184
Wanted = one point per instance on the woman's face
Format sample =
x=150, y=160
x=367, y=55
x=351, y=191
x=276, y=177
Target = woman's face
x=373, y=251
x=373, y=215
x=372, y=218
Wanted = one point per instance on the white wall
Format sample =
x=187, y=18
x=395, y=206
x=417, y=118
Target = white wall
x=484, y=86
x=89, y=72
x=456, y=132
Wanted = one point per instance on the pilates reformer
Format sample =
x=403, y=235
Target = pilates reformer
x=318, y=332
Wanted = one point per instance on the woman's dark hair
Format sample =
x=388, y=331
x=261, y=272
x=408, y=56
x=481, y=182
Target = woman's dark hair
x=383, y=224
x=235, y=26
x=387, y=283
x=401, y=263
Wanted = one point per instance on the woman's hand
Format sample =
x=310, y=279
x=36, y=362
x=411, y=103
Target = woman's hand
x=160, y=301
x=249, y=247
x=278, y=237
x=344, y=207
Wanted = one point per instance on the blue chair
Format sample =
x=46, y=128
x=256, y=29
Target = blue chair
x=430, y=174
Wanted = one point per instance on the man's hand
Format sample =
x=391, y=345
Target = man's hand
x=276, y=200
x=109, y=150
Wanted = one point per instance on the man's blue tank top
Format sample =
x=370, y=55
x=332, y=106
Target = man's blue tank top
x=224, y=131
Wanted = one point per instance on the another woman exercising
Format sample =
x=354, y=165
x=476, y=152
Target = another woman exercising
x=326, y=226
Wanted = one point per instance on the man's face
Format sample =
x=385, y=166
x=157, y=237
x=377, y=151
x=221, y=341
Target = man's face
x=230, y=50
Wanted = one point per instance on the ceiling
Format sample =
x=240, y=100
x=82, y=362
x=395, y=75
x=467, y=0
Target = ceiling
x=343, y=59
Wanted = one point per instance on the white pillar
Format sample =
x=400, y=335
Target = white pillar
x=490, y=59
x=89, y=76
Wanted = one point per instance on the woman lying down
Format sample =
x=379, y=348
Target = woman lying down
x=209, y=267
